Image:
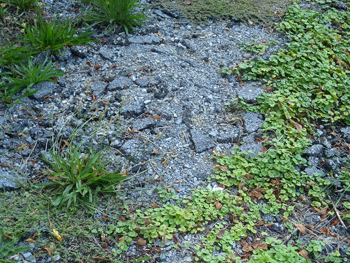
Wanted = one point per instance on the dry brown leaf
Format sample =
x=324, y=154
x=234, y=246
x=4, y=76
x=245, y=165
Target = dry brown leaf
x=90, y=64
x=255, y=244
x=218, y=205
x=7, y=220
x=335, y=222
x=130, y=130
x=297, y=125
x=222, y=168
x=269, y=225
x=301, y=228
x=50, y=249
x=153, y=204
x=221, y=233
x=30, y=240
x=146, y=223
x=155, y=151
x=264, y=149
x=241, y=83
x=157, y=118
x=250, y=23
x=105, y=218
x=215, y=152
x=159, y=35
x=310, y=226
x=303, y=253
x=176, y=240
x=6, y=236
x=122, y=218
x=121, y=240
x=248, y=176
x=187, y=3
x=141, y=242
x=256, y=194
x=262, y=246
x=271, y=31
x=260, y=223
x=247, y=248
x=339, y=61
x=97, y=66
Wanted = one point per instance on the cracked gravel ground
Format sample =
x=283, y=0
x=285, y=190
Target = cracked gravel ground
x=169, y=73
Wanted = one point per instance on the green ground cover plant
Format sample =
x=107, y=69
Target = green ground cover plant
x=23, y=5
x=257, y=11
x=114, y=13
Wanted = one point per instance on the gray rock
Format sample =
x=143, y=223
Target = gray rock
x=119, y=83
x=268, y=218
x=27, y=255
x=107, y=54
x=228, y=134
x=134, y=149
x=142, y=124
x=340, y=5
x=79, y=51
x=344, y=252
x=37, y=133
x=313, y=161
x=63, y=55
x=249, y=93
x=313, y=219
x=133, y=109
x=10, y=180
x=312, y=171
x=326, y=250
x=201, y=142
x=314, y=150
x=329, y=153
x=98, y=88
x=42, y=57
x=45, y=88
x=255, y=147
x=187, y=116
x=160, y=92
x=142, y=82
x=252, y=121
x=250, y=138
x=56, y=258
x=333, y=164
x=278, y=228
x=145, y=40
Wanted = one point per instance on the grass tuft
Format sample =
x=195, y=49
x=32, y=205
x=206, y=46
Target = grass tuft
x=115, y=12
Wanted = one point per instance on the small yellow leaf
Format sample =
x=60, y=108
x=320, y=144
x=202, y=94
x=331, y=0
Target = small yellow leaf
x=57, y=235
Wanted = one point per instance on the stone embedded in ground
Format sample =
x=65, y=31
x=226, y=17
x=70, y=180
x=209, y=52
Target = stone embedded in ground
x=98, y=88
x=10, y=180
x=45, y=88
x=142, y=82
x=313, y=170
x=79, y=51
x=63, y=55
x=312, y=219
x=201, y=142
x=119, y=83
x=107, y=54
x=314, y=150
x=133, y=109
x=142, y=124
x=255, y=147
x=252, y=121
x=278, y=227
x=249, y=93
x=134, y=149
x=146, y=40
x=228, y=134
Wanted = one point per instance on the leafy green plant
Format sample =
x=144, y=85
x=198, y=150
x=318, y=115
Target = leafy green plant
x=114, y=13
x=315, y=246
x=7, y=248
x=27, y=75
x=54, y=34
x=278, y=253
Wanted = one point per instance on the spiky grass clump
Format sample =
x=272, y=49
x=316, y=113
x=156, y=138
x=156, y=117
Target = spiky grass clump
x=54, y=34
x=115, y=13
